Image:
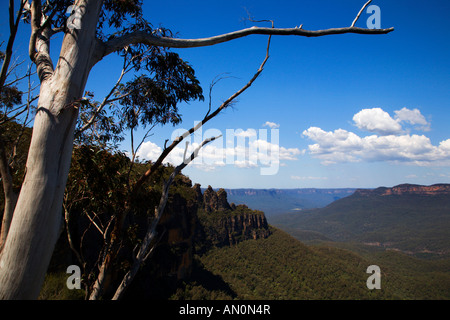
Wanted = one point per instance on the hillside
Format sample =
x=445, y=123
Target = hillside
x=282, y=268
x=411, y=218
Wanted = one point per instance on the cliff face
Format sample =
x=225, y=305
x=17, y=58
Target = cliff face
x=241, y=227
x=226, y=224
x=407, y=189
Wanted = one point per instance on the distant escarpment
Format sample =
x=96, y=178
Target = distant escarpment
x=413, y=219
x=407, y=189
x=225, y=224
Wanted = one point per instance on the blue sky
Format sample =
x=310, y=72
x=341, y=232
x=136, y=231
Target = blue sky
x=349, y=110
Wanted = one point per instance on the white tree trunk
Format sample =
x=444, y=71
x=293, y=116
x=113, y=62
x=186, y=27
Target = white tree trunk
x=37, y=217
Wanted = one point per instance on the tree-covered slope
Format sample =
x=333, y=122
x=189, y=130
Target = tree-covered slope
x=281, y=267
x=401, y=218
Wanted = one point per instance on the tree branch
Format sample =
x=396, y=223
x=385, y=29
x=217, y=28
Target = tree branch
x=38, y=47
x=359, y=13
x=142, y=37
x=13, y=26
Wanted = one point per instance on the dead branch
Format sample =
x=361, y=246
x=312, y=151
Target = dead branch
x=142, y=37
x=359, y=13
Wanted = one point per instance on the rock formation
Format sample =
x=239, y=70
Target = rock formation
x=226, y=224
x=222, y=202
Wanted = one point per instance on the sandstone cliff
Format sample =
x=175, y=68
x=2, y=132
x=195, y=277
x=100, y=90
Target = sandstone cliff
x=407, y=189
x=225, y=224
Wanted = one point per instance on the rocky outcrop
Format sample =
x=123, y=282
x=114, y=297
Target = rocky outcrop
x=198, y=196
x=243, y=226
x=222, y=202
x=407, y=189
x=212, y=201
x=226, y=224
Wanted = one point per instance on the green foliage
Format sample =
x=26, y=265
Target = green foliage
x=97, y=182
x=10, y=133
x=153, y=98
x=195, y=291
x=280, y=267
x=9, y=96
x=55, y=288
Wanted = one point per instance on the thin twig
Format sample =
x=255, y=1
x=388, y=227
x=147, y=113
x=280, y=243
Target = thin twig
x=359, y=13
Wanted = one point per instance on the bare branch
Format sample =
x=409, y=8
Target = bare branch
x=94, y=223
x=69, y=234
x=13, y=25
x=359, y=13
x=152, y=40
x=215, y=81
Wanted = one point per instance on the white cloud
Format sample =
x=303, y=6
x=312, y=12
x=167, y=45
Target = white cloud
x=413, y=117
x=376, y=120
x=344, y=146
x=290, y=153
x=246, y=134
x=149, y=151
x=397, y=146
x=271, y=125
x=252, y=154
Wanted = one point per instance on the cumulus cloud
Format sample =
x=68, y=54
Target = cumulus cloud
x=251, y=154
x=413, y=117
x=245, y=133
x=271, y=125
x=149, y=151
x=391, y=143
x=376, y=120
